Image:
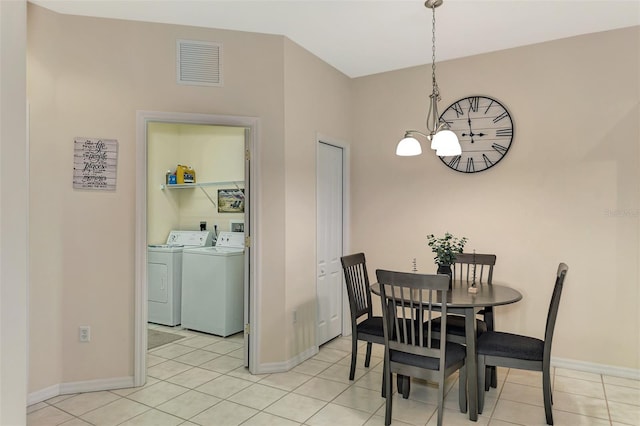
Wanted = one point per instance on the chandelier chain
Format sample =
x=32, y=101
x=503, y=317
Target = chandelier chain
x=432, y=115
x=436, y=91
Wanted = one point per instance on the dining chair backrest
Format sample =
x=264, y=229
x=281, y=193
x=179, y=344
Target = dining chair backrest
x=510, y=350
x=364, y=325
x=409, y=298
x=468, y=264
x=553, y=310
x=357, y=282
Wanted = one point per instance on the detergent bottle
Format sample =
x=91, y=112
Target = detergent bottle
x=185, y=174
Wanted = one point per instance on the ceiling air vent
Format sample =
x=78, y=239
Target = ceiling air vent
x=199, y=63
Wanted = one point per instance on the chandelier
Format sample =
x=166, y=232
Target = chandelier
x=443, y=140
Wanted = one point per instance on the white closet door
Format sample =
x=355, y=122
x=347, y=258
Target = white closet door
x=329, y=240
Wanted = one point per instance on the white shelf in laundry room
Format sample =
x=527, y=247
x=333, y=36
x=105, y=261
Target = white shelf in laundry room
x=200, y=184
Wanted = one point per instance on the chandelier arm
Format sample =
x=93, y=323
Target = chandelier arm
x=433, y=119
x=408, y=133
x=442, y=125
x=431, y=123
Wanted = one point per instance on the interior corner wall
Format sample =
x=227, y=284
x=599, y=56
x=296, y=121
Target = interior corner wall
x=87, y=77
x=567, y=190
x=14, y=187
x=317, y=101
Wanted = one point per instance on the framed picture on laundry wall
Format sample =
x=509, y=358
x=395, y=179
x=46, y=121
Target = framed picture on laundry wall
x=231, y=200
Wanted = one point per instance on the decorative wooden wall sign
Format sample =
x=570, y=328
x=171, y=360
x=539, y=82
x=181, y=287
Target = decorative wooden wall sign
x=95, y=163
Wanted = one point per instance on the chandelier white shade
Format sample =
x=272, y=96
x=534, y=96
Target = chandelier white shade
x=408, y=147
x=446, y=143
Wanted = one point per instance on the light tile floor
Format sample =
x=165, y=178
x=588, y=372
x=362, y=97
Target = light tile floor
x=200, y=380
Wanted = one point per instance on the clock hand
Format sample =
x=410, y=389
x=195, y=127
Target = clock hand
x=473, y=134
x=470, y=130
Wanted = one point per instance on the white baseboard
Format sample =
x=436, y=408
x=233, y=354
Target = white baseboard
x=571, y=364
x=79, y=387
x=281, y=367
x=590, y=367
x=43, y=394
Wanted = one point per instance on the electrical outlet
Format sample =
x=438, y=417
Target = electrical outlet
x=85, y=333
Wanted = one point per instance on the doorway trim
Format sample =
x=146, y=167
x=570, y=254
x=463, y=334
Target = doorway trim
x=140, y=301
x=346, y=215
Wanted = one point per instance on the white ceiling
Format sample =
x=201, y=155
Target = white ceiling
x=362, y=37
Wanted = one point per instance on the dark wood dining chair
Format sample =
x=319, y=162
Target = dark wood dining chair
x=412, y=351
x=523, y=352
x=364, y=325
x=463, y=270
x=467, y=269
x=470, y=266
x=479, y=266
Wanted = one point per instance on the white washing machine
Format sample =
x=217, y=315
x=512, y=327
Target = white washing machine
x=164, y=275
x=213, y=286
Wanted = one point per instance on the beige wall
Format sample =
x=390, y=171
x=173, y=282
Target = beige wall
x=216, y=153
x=568, y=189
x=317, y=101
x=87, y=77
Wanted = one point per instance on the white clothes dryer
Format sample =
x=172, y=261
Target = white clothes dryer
x=213, y=286
x=164, y=275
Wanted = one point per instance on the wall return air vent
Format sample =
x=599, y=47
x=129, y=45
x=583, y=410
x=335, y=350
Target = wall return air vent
x=199, y=63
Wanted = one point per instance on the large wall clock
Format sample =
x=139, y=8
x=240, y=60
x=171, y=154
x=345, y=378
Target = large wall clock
x=485, y=130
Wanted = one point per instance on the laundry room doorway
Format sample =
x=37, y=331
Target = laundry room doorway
x=193, y=181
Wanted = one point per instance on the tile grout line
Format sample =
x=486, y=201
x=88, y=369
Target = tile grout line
x=498, y=395
x=287, y=392
x=606, y=400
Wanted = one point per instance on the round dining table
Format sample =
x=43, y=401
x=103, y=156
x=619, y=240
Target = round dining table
x=461, y=301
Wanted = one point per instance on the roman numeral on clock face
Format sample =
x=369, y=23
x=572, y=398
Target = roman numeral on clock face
x=501, y=117
x=501, y=149
x=488, y=163
x=470, y=165
x=488, y=106
x=454, y=162
x=504, y=132
x=474, y=103
x=458, y=109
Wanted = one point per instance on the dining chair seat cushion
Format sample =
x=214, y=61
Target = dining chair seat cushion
x=455, y=325
x=372, y=326
x=495, y=343
x=453, y=354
